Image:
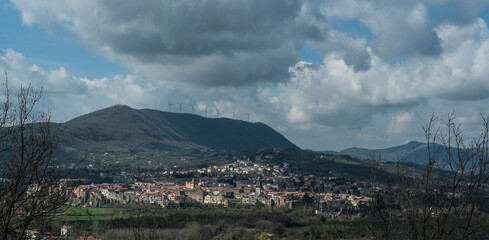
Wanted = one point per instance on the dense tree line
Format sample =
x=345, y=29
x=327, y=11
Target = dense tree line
x=230, y=223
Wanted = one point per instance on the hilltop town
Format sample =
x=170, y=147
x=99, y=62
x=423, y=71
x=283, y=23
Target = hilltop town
x=239, y=182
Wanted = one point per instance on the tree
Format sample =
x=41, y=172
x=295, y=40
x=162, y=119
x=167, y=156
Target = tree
x=446, y=199
x=30, y=188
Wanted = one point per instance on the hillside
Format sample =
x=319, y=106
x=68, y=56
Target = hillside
x=342, y=166
x=411, y=152
x=122, y=126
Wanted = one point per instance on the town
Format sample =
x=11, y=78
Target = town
x=239, y=182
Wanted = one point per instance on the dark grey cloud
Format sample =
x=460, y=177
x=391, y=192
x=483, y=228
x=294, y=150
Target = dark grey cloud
x=401, y=29
x=241, y=42
x=399, y=42
x=360, y=60
x=196, y=28
x=353, y=51
x=456, y=11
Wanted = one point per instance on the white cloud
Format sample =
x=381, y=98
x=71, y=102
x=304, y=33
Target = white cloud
x=400, y=124
x=393, y=98
x=362, y=137
x=334, y=94
x=70, y=96
x=54, y=81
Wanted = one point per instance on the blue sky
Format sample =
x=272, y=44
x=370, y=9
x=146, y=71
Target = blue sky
x=53, y=49
x=328, y=75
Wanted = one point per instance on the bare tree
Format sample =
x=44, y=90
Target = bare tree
x=447, y=198
x=30, y=188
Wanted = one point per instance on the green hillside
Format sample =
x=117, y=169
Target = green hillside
x=122, y=126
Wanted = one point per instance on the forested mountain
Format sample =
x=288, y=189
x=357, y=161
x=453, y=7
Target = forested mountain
x=122, y=126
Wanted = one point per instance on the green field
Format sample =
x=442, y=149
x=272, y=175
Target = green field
x=96, y=214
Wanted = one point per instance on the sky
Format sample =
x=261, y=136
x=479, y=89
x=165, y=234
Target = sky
x=328, y=74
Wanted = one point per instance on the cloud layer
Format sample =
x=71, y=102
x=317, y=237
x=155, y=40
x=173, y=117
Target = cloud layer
x=204, y=42
x=371, y=89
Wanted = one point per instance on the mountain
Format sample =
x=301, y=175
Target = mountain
x=329, y=152
x=122, y=126
x=411, y=152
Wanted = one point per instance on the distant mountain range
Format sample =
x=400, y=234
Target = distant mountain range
x=411, y=152
x=123, y=126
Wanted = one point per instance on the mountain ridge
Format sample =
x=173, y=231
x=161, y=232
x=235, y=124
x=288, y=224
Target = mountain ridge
x=413, y=151
x=122, y=125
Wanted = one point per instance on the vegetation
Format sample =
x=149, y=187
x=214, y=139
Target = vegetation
x=126, y=127
x=30, y=191
x=214, y=222
x=448, y=199
x=342, y=166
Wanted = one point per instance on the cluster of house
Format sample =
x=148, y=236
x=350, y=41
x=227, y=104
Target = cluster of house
x=240, y=182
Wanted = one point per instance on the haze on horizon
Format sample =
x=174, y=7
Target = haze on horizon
x=327, y=75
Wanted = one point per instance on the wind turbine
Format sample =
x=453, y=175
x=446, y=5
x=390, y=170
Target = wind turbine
x=217, y=112
x=206, y=112
x=192, y=106
x=248, y=116
x=180, y=105
x=156, y=97
x=233, y=114
x=169, y=105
